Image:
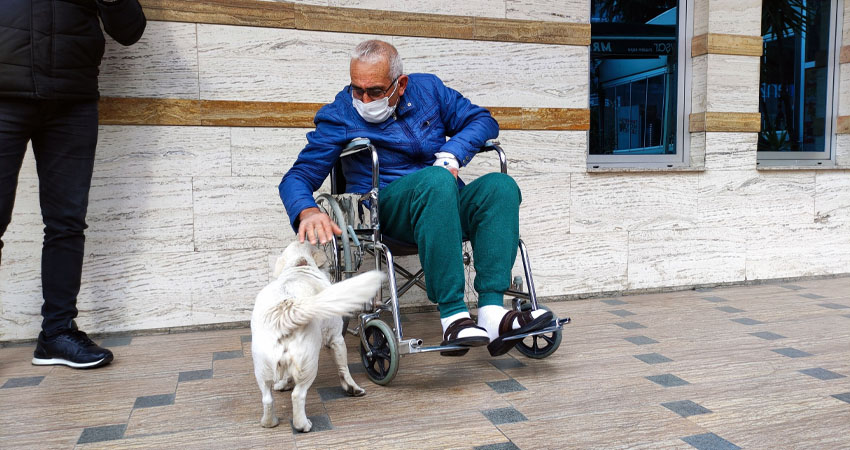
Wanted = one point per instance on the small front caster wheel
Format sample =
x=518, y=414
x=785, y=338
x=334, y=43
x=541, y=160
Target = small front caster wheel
x=380, y=354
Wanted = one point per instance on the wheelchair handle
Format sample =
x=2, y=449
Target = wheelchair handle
x=493, y=145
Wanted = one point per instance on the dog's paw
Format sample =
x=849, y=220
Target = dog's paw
x=355, y=391
x=269, y=422
x=303, y=427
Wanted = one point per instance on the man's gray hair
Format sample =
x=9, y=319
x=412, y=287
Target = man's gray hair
x=375, y=50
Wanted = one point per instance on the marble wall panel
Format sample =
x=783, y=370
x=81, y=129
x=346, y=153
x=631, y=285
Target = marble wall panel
x=525, y=75
x=699, y=80
x=534, y=152
x=239, y=213
x=779, y=251
x=266, y=64
x=844, y=90
x=845, y=28
x=131, y=215
x=733, y=83
x=750, y=198
x=576, y=11
x=696, y=150
x=627, y=202
x=266, y=151
x=700, y=17
x=842, y=150
x=475, y=8
x=731, y=17
x=832, y=196
x=730, y=151
x=163, y=64
x=20, y=290
x=162, y=151
x=686, y=257
x=26, y=225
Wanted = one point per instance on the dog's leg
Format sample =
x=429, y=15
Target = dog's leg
x=337, y=346
x=303, y=381
x=269, y=419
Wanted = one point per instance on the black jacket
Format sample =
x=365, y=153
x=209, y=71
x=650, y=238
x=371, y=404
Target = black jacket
x=51, y=49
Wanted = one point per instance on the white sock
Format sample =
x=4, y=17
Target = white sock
x=490, y=316
x=469, y=332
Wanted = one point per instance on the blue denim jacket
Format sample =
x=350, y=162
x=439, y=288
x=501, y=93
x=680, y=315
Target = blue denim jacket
x=427, y=114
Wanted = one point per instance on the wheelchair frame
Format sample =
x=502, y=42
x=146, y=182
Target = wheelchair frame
x=377, y=340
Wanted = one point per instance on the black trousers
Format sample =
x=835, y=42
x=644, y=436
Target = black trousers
x=64, y=137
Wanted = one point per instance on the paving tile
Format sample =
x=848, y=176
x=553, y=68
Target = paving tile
x=331, y=393
x=715, y=299
x=847, y=316
x=116, y=341
x=709, y=441
x=227, y=355
x=151, y=401
x=667, y=380
x=244, y=339
x=503, y=415
x=507, y=363
x=812, y=296
x=768, y=335
x=792, y=287
x=193, y=375
x=792, y=352
x=653, y=358
x=641, y=340
x=622, y=313
x=747, y=321
x=686, y=408
x=21, y=382
x=101, y=434
x=614, y=302
x=503, y=446
x=320, y=423
x=505, y=386
x=730, y=309
x=845, y=397
x=822, y=374
x=833, y=305
x=630, y=325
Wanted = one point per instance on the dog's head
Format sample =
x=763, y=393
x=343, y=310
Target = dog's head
x=300, y=254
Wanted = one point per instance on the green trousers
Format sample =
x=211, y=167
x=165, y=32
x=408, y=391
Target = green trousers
x=426, y=208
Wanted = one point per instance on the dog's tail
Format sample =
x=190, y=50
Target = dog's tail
x=337, y=300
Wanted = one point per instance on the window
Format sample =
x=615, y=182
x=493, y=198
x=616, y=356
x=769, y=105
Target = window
x=637, y=96
x=797, y=87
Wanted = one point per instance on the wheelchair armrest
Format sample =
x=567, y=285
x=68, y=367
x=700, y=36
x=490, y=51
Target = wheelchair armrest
x=493, y=145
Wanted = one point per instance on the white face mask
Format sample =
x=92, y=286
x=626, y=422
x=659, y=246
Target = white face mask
x=375, y=111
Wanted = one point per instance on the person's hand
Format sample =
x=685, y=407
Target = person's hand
x=453, y=171
x=314, y=225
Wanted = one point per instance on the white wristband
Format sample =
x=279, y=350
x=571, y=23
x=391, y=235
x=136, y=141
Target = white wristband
x=447, y=160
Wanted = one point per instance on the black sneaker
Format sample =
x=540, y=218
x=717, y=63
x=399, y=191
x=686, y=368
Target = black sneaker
x=71, y=348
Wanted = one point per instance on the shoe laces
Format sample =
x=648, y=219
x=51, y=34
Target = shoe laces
x=81, y=338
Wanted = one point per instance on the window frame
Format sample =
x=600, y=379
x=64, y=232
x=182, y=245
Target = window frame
x=826, y=157
x=680, y=159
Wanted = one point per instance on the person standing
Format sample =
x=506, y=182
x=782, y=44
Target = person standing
x=50, y=53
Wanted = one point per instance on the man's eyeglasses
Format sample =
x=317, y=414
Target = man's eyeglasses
x=374, y=92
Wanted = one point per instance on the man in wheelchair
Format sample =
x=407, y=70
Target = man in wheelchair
x=422, y=201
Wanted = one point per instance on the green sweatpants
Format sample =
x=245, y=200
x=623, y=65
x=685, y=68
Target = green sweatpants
x=426, y=208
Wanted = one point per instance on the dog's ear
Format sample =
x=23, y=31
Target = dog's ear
x=319, y=257
x=278, y=266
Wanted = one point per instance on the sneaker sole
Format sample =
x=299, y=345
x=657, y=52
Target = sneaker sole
x=64, y=362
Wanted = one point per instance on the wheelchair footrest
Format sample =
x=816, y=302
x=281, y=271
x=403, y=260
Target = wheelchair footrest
x=555, y=325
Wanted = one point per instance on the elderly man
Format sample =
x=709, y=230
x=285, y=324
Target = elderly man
x=422, y=201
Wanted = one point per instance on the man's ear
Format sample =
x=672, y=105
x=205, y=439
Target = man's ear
x=402, y=84
x=319, y=257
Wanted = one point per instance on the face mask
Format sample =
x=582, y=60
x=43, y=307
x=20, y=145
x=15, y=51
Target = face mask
x=375, y=111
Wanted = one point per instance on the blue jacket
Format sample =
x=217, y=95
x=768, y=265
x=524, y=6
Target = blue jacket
x=425, y=116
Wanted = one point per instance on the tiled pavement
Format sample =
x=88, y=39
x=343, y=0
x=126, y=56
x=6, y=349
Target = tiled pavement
x=764, y=366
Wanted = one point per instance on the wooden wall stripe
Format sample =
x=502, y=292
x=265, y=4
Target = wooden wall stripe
x=353, y=20
x=155, y=111
x=726, y=44
x=843, y=126
x=845, y=55
x=729, y=122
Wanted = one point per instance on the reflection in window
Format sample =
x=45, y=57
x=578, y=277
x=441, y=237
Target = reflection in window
x=633, y=79
x=794, y=75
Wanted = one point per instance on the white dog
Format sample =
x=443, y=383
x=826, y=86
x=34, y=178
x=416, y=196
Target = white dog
x=293, y=317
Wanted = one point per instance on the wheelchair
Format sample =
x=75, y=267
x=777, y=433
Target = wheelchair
x=382, y=344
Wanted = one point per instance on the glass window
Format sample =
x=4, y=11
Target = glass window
x=796, y=79
x=635, y=95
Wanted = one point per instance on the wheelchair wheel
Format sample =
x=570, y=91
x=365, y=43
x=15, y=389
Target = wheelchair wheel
x=338, y=250
x=381, y=357
x=542, y=345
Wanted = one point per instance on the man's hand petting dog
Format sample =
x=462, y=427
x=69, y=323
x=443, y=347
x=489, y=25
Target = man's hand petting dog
x=294, y=316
